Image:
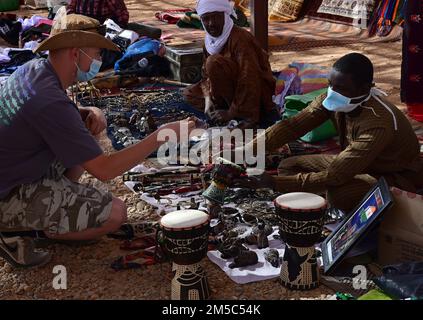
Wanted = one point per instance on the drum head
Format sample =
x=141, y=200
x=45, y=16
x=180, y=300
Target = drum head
x=300, y=201
x=182, y=219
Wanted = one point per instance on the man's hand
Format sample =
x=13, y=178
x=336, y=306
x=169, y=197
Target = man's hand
x=221, y=116
x=95, y=121
x=264, y=180
x=176, y=126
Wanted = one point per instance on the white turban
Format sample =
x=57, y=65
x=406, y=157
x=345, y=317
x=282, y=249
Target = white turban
x=206, y=6
x=215, y=45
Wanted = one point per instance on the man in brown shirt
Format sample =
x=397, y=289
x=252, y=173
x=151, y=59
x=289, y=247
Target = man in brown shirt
x=376, y=138
x=237, y=79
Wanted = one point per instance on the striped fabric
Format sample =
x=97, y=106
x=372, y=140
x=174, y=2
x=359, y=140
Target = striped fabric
x=386, y=14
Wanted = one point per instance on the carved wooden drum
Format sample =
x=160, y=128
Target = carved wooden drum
x=301, y=222
x=185, y=240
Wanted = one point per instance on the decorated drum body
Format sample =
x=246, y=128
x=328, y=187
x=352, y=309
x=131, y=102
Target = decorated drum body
x=185, y=236
x=302, y=218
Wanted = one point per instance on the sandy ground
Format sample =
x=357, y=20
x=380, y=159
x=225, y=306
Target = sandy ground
x=88, y=268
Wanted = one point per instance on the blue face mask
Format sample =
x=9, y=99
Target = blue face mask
x=94, y=69
x=338, y=103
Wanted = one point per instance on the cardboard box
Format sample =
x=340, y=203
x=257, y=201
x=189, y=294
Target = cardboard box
x=401, y=231
x=185, y=62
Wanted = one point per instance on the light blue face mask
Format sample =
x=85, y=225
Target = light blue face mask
x=94, y=69
x=338, y=103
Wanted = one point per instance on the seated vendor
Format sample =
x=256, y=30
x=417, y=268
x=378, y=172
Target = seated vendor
x=46, y=143
x=101, y=10
x=377, y=140
x=237, y=79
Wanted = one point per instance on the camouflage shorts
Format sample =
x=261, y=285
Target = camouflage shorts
x=55, y=204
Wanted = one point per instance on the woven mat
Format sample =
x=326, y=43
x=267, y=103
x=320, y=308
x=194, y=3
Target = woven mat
x=310, y=33
x=303, y=34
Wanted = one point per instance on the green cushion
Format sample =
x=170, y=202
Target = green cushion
x=9, y=5
x=295, y=103
x=374, y=295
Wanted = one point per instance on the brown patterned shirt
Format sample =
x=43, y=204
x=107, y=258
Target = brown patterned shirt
x=370, y=144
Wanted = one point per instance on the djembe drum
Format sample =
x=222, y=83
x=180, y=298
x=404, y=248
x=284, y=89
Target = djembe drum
x=184, y=239
x=301, y=223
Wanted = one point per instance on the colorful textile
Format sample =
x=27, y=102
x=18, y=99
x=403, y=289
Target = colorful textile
x=285, y=10
x=299, y=78
x=101, y=10
x=386, y=15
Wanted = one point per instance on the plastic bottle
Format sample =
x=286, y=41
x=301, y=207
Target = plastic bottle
x=143, y=63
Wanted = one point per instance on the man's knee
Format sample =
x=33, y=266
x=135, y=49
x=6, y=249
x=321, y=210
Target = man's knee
x=212, y=63
x=118, y=215
x=218, y=67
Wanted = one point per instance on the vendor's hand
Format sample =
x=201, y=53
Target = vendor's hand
x=264, y=180
x=209, y=106
x=95, y=121
x=221, y=116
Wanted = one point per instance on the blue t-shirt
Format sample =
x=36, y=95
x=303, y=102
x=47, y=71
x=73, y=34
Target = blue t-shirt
x=38, y=125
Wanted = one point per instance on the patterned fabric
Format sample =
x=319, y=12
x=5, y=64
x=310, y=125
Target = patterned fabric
x=101, y=10
x=412, y=67
x=311, y=8
x=285, y=10
x=348, y=8
x=55, y=204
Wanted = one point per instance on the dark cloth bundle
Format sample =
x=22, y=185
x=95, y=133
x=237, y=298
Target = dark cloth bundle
x=18, y=57
x=402, y=281
x=9, y=31
x=37, y=32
